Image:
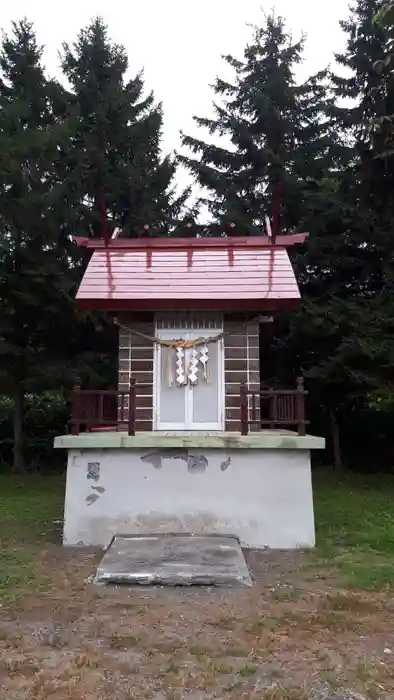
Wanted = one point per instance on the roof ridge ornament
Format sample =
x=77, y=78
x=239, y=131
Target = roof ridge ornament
x=268, y=228
x=104, y=217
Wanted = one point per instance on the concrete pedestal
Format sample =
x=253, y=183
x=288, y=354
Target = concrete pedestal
x=262, y=495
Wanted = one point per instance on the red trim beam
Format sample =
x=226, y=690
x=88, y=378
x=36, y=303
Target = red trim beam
x=192, y=243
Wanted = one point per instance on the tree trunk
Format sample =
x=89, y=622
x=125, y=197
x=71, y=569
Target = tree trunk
x=19, y=465
x=336, y=443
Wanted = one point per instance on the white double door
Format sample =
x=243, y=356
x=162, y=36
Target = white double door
x=190, y=406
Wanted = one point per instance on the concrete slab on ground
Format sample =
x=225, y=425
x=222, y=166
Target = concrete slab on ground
x=174, y=560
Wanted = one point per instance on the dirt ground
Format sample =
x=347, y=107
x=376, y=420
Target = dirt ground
x=295, y=633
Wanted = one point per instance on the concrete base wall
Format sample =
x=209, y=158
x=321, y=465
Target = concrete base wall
x=264, y=497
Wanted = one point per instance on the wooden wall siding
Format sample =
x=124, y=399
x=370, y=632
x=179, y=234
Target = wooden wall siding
x=241, y=363
x=136, y=361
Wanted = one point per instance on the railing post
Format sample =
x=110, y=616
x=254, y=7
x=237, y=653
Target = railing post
x=244, y=408
x=300, y=406
x=272, y=408
x=254, y=408
x=76, y=406
x=101, y=409
x=131, y=422
x=120, y=407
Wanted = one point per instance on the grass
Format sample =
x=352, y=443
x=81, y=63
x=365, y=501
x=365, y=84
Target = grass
x=355, y=527
x=28, y=509
x=247, y=670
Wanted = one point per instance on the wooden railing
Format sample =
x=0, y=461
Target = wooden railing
x=94, y=410
x=284, y=408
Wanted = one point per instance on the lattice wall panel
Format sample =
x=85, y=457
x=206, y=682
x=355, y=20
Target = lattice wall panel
x=189, y=321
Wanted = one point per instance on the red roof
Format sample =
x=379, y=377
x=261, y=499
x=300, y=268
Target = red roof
x=155, y=275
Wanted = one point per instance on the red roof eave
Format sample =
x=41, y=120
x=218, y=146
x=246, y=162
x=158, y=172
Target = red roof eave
x=218, y=305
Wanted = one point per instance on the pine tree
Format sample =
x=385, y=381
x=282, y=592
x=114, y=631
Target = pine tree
x=362, y=83
x=116, y=149
x=280, y=132
x=376, y=191
x=384, y=19
x=371, y=88
x=369, y=121
x=384, y=125
x=343, y=336
x=34, y=266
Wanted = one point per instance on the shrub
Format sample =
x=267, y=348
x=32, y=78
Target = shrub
x=46, y=416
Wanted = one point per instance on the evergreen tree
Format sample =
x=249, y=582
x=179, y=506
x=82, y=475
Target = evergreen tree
x=367, y=120
x=362, y=83
x=281, y=134
x=116, y=150
x=384, y=125
x=384, y=18
x=370, y=122
x=35, y=284
x=321, y=155
x=343, y=335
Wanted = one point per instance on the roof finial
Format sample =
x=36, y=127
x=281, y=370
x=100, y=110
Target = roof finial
x=275, y=219
x=269, y=230
x=231, y=226
x=103, y=216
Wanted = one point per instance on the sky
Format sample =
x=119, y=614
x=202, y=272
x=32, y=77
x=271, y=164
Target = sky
x=179, y=44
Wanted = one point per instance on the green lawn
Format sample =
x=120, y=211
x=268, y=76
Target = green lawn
x=28, y=509
x=354, y=521
x=355, y=527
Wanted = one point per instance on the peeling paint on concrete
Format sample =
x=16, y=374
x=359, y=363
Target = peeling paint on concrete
x=156, y=458
x=92, y=498
x=225, y=465
x=93, y=471
x=197, y=464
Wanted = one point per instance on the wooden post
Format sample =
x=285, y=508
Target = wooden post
x=300, y=406
x=254, y=408
x=101, y=409
x=272, y=408
x=75, y=408
x=147, y=231
x=120, y=401
x=131, y=423
x=244, y=408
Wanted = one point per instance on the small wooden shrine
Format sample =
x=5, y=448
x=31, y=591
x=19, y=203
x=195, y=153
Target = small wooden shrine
x=190, y=313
